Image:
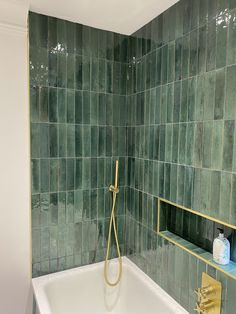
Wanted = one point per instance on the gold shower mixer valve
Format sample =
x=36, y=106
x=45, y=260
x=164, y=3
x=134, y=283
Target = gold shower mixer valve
x=203, y=292
x=208, y=296
x=203, y=306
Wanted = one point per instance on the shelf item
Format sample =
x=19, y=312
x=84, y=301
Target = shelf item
x=193, y=232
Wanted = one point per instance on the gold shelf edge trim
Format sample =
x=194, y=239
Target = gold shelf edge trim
x=197, y=255
x=191, y=211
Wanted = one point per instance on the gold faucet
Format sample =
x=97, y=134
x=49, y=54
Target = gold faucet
x=208, y=296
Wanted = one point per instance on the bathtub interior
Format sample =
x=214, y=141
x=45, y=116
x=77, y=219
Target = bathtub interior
x=84, y=291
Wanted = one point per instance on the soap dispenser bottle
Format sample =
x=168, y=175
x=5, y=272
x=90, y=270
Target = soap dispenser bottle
x=221, y=249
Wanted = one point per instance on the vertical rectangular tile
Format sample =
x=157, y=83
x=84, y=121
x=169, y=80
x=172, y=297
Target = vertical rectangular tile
x=228, y=139
x=230, y=93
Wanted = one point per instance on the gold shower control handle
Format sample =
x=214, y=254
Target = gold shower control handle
x=198, y=293
x=208, y=296
x=204, y=292
x=204, y=306
x=199, y=310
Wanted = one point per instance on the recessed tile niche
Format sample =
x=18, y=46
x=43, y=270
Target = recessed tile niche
x=195, y=233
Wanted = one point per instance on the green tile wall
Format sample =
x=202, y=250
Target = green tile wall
x=163, y=102
x=181, y=136
x=78, y=129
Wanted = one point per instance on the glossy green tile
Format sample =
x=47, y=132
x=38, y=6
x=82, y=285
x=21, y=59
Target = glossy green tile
x=78, y=71
x=36, y=245
x=207, y=144
x=86, y=173
x=171, y=61
x=189, y=143
x=93, y=173
x=217, y=146
x=70, y=106
x=232, y=4
x=35, y=140
x=44, y=175
x=44, y=208
x=69, y=207
x=167, y=181
x=192, y=98
x=34, y=101
x=62, y=105
x=230, y=93
x=215, y=192
x=35, y=176
x=228, y=139
x=209, y=105
x=212, y=7
x=109, y=134
x=184, y=101
x=188, y=185
x=219, y=94
x=62, y=174
x=70, y=145
x=170, y=102
x=86, y=67
x=86, y=40
x=168, y=143
x=52, y=68
x=202, y=44
x=178, y=58
x=62, y=140
x=61, y=70
x=53, y=140
x=109, y=77
x=78, y=173
x=54, y=170
x=193, y=60
x=196, y=189
x=198, y=145
x=182, y=143
x=164, y=63
x=225, y=196
x=78, y=107
x=78, y=39
x=70, y=167
x=40, y=73
x=53, y=208
x=70, y=36
x=70, y=68
x=173, y=182
x=38, y=33
x=186, y=56
x=43, y=104
x=221, y=38
x=94, y=74
x=211, y=45
x=231, y=43
x=86, y=144
x=53, y=106
x=205, y=180
x=101, y=75
x=203, y=12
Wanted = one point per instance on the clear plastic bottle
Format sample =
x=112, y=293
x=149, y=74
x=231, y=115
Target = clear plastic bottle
x=221, y=249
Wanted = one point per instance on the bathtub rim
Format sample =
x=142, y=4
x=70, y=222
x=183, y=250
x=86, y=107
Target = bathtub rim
x=39, y=284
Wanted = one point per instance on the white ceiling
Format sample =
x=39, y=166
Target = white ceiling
x=121, y=16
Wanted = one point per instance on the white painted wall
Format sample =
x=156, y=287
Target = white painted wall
x=15, y=256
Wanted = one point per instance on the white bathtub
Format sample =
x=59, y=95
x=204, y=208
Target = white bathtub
x=82, y=290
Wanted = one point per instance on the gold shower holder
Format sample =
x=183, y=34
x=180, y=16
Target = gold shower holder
x=208, y=296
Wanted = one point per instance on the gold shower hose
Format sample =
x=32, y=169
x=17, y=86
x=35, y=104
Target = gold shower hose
x=114, y=189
